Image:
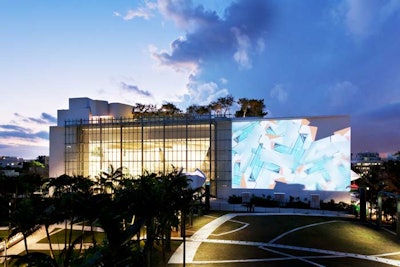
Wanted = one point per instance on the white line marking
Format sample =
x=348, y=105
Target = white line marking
x=300, y=228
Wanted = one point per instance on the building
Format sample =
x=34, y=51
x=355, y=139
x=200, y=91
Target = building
x=299, y=157
x=363, y=162
x=11, y=162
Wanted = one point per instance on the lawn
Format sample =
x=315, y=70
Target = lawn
x=3, y=234
x=296, y=241
x=58, y=236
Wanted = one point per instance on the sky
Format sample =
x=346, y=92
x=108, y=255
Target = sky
x=304, y=58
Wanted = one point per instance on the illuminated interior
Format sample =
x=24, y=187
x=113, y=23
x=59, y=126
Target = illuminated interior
x=137, y=147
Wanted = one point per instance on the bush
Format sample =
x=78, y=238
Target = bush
x=235, y=199
x=331, y=205
x=297, y=203
x=264, y=201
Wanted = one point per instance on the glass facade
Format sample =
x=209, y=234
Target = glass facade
x=154, y=144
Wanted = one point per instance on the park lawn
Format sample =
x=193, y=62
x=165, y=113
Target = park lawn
x=3, y=234
x=344, y=235
x=263, y=228
x=59, y=236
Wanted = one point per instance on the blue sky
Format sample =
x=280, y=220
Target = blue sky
x=304, y=58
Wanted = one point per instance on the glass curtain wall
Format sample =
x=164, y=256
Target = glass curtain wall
x=149, y=144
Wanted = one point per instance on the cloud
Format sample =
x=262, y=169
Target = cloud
x=384, y=113
x=182, y=60
x=203, y=93
x=342, y=94
x=237, y=36
x=138, y=13
x=223, y=80
x=364, y=18
x=186, y=16
x=243, y=44
x=29, y=132
x=135, y=89
x=16, y=136
x=145, y=12
x=279, y=92
x=20, y=132
x=44, y=118
x=47, y=117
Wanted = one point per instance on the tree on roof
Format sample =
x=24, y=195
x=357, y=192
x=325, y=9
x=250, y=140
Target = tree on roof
x=251, y=108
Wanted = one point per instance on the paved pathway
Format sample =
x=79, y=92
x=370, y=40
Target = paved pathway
x=193, y=243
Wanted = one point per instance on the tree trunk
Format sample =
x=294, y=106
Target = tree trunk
x=70, y=232
x=25, y=242
x=168, y=240
x=148, y=247
x=93, y=236
x=65, y=234
x=83, y=234
x=49, y=240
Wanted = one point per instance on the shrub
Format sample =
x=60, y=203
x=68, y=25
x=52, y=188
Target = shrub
x=235, y=199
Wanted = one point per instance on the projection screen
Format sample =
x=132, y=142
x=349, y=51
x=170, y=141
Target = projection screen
x=311, y=153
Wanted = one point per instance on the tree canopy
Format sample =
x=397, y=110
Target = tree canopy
x=124, y=207
x=220, y=107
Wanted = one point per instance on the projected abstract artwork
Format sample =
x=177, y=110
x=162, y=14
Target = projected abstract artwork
x=314, y=155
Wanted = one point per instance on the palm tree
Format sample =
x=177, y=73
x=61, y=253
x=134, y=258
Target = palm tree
x=47, y=216
x=172, y=186
x=23, y=219
x=111, y=180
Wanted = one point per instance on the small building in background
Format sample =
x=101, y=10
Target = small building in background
x=11, y=162
x=363, y=162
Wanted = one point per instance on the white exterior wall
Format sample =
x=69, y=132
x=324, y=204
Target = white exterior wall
x=84, y=108
x=76, y=114
x=118, y=110
x=57, y=153
x=99, y=108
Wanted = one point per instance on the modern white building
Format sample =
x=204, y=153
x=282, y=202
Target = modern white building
x=298, y=157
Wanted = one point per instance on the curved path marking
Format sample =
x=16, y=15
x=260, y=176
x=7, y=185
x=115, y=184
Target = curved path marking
x=300, y=228
x=203, y=233
x=235, y=230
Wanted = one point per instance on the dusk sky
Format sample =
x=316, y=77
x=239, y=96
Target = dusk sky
x=304, y=58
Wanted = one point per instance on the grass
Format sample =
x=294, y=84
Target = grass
x=262, y=228
x=346, y=235
x=3, y=234
x=59, y=236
